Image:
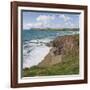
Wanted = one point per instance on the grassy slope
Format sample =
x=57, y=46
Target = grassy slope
x=70, y=65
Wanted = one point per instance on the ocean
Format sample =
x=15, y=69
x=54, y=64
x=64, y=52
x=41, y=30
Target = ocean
x=34, y=45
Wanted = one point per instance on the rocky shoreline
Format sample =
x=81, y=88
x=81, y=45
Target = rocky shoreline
x=61, y=46
x=63, y=58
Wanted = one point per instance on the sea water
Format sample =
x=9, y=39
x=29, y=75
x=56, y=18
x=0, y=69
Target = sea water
x=34, y=48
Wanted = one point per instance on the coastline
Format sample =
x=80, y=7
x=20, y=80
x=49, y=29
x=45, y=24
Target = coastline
x=64, y=52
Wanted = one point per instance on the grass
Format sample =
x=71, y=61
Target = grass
x=69, y=66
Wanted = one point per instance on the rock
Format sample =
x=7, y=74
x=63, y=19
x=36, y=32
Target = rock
x=61, y=46
x=64, y=44
x=50, y=60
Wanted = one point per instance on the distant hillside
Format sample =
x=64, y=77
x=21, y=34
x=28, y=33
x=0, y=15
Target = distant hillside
x=56, y=29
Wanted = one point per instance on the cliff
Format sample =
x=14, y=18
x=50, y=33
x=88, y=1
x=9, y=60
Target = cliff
x=61, y=46
x=63, y=58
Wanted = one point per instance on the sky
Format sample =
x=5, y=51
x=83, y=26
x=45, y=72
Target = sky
x=33, y=19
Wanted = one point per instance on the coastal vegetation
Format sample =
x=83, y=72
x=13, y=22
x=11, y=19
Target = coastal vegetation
x=63, y=58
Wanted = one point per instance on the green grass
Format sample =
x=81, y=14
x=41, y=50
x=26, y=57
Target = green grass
x=69, y=66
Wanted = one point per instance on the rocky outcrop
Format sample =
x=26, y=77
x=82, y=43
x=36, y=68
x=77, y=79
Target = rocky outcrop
x=65, y=44
x=61, y=46
x=50, y=59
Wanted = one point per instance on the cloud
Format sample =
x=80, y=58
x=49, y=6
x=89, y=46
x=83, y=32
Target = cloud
x=49, y=21
x=35, y=25
x=70, y=24
x=64, y=17
x=45, y=18
x=67, y=21
x=42, y=21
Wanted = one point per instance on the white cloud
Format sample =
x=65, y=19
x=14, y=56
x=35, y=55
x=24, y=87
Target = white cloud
x=65, y=18
x=42, y=21
x=47, y=21
x=26, y=26
x=37, y=24
x=34, y=25
x=70, y=24
x=67, y=21
x=45, y=18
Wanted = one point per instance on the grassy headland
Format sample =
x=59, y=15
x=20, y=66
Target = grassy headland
x=63, y=58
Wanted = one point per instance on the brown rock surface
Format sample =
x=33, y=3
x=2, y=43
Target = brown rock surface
x=61, y=46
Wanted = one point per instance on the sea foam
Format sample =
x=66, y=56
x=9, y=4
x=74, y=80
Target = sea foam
x=35, y=52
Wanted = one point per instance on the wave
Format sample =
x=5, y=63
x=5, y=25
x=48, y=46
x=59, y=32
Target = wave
x=35, y=56
x=34, y=52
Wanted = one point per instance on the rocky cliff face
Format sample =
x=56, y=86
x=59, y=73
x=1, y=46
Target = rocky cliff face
x=61, y=46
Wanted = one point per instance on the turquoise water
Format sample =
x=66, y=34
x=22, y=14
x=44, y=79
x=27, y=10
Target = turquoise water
x=38, y=34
